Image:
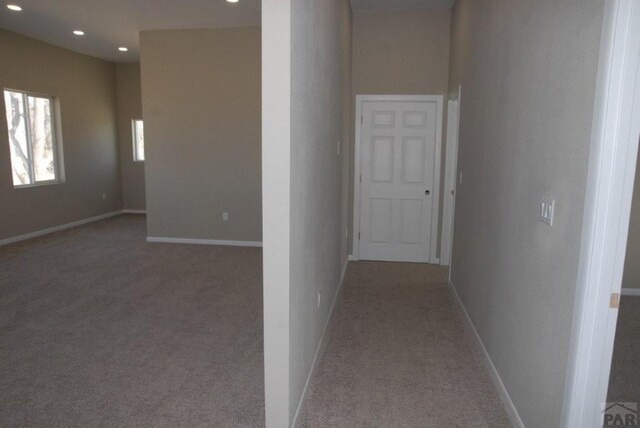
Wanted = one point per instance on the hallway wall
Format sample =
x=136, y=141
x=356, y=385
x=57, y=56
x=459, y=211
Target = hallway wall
x=305, y=113
x=401, y=52
x=528, y=73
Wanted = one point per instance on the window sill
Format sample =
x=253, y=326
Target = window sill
x=39, y=184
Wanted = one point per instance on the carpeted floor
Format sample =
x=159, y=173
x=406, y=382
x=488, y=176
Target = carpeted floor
x=400, y=354
x=624, y=382
x=100, y=328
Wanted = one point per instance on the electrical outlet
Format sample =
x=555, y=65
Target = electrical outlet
x=319, y=300
x=104, y=196
x=547, y=207
x=225, y=216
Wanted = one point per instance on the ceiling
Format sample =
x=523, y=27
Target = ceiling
x=400, y=4
x=109, y=24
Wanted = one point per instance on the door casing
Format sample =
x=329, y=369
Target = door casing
x=450, y=177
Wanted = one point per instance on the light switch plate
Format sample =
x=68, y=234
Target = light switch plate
x=225, y=216
x=547, y=208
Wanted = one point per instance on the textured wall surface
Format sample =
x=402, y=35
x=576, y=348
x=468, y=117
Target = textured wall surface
x=528, y=73
x=321, y=36
x=306, y=109
x=201, y=98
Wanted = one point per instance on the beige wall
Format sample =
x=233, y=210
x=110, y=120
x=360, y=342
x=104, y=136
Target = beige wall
x=201, y=106
x=306, y=112
x=399, y=52
x=320, y=60
x=528, y=73
x=631, y=277
x=85, y=87
x=129, y=108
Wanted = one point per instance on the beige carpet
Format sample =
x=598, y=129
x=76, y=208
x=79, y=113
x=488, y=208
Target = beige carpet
x=624, y=382
x=100, y=328
x=399, y=354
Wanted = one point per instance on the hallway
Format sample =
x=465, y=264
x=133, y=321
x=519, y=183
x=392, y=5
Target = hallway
x=399, y=352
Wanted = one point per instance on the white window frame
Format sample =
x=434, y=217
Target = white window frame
x=134, y=136
x=56, y=135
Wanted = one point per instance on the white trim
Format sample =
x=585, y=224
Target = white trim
x=276, y=209
x=630, y=292
x=128, y=211
x=614, y=145
x=157, y=239
x=320, y=347
x=450, y=177
x=58, y=228
x=512, y=412
x=435, y=209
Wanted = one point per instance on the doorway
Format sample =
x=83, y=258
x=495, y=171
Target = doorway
x=624, y=379
x=612, y=168
x=397, y=177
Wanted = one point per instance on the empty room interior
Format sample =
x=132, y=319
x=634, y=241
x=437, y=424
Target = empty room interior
x=319, y=213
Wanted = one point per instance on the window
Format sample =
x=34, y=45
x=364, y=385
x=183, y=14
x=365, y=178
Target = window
x=32, y=138
x=138, y=140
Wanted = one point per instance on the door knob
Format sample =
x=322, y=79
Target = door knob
x=427, y=192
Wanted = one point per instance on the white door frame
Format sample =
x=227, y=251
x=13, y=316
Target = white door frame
x=435, y=210
x=612, y=167
x=450, y=178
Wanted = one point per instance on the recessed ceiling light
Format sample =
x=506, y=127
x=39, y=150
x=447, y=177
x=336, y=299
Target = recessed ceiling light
x=78, y=33
x=123, y=49
x=232, y=1
x=14, y=7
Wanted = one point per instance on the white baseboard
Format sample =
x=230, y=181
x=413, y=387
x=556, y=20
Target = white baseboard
x=631, y=292
x=352, y=258
x=320, y=347
x=58, y=228
x=128, y=211
x=512, y=412
x=162, y=240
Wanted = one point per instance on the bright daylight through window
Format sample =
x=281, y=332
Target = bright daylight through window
x=32, y=138
x=138, y=140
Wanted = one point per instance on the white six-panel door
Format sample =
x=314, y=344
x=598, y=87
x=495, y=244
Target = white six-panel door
x=399, y=179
